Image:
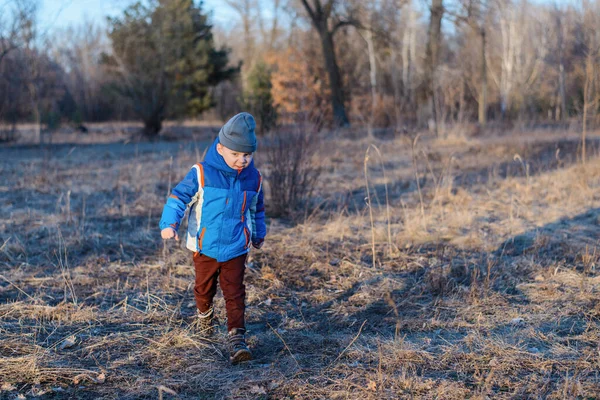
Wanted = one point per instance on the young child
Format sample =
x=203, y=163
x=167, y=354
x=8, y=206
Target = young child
x=224, y=193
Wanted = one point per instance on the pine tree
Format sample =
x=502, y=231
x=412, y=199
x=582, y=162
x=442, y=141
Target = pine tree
x=258, y=99
x=165, y=61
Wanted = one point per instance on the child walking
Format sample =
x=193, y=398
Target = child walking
x=226, y=216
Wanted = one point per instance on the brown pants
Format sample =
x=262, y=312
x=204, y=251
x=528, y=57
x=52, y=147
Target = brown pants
x=231, y=279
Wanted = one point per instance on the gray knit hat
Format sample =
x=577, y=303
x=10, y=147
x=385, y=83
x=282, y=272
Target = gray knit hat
x=238, y=133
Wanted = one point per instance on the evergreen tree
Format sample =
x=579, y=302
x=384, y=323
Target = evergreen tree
x=258, y=99
x=165, y=60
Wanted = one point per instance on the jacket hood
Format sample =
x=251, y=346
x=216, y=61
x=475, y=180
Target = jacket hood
x=215, y=160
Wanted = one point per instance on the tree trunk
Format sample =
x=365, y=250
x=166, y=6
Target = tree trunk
x=244, y=9
x=320, y=17
x=589, y=77
x=406, y=63
x=35, y=103
x=152, y=126
x=248, y=48
x=461, y=102
x=584, y=127
x=335, y=81
x=396, y=84
x=561, y=67
x=433, y=46
x=561, y=92
x=483, y=92
x=408, y=54
x=373, y=79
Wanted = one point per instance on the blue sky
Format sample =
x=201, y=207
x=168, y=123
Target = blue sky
x=57, y=14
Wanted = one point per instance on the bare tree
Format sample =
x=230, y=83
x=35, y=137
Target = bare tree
x=31, y=66
x=476, y=19
x=409, y=54
x=401, y=27
x=560, y=29
x=30, y=82
x=474, y=14
x=327, y=23
x=79, y=51
x=269, y=37
x=369, y=12
x=15, y=24
x=520, y=61
x=245, y=10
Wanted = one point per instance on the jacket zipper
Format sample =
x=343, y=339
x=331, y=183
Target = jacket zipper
x=200, y=238
x=226, y=214
x=243, y=206
x=245, y=229
x=247, y=236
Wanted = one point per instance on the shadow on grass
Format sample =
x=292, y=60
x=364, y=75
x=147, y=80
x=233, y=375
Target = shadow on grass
x=440, y=295
x=85, y=153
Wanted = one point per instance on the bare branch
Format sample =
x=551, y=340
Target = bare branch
x=309, y=10
x=351, y=22
x=328, y=8
x=8, y=50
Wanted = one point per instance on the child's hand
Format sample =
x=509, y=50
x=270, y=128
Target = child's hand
x=169, y=233
x=257, y=244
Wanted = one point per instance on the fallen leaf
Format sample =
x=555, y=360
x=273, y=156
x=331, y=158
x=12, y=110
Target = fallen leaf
x=68, y=342
x=372, y=385
x=165, y=389
x=257, y=390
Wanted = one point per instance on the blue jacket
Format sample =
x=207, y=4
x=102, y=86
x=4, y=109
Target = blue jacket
x=226, y=207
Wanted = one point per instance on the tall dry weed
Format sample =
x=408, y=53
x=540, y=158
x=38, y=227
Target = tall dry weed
x=293, y=170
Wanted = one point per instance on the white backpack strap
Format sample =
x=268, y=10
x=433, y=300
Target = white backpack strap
x=195, y=214
x=200, y=172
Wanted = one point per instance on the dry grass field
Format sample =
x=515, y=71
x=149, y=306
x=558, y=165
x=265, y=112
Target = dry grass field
x=468, y=269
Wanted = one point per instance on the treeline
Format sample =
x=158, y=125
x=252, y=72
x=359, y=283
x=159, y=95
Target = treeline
x=402, y=64
x=379, y=63
x=155, y=61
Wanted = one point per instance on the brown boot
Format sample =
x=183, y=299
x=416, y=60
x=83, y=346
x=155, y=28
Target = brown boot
x=237, y=346
x=206, y=322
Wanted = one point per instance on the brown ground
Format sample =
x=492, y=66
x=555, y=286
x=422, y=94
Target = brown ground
x=484, y=283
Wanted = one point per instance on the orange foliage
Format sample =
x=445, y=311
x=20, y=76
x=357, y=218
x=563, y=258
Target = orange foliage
x=300, y=88
x=361, y=110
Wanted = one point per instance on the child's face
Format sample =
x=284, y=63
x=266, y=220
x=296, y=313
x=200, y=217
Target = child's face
x=234, y=159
